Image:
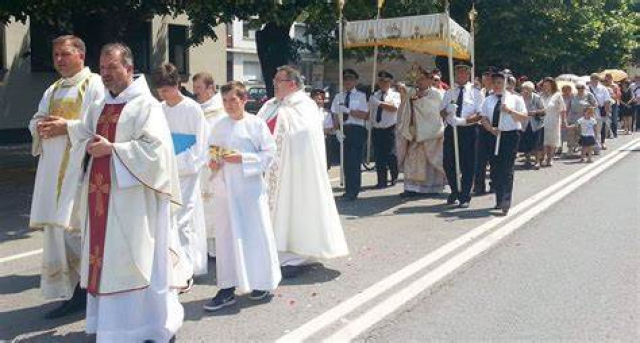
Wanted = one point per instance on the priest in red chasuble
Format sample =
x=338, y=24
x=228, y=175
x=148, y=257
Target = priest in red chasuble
x=129, y=186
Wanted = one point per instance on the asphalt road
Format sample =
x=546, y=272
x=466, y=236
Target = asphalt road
x=385, y=234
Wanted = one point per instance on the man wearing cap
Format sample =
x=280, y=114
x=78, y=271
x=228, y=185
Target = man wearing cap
x=461, y=108
x=352, y=104
x=384, y=105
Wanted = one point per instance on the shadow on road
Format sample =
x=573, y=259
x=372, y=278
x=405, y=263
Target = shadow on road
x=14, y=284
x=27, y=320
x=367, y=206
x=51, y=337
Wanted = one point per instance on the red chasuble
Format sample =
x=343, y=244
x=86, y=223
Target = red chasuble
x=99, y=189
x=271, y=123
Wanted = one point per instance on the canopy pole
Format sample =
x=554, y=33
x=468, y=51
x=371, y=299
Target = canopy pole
x=341, y=89
x=373, y=88
x=456, y=150
x=472, y=19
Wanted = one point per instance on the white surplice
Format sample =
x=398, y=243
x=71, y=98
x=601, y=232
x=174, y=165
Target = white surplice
x=213, y=111
x=135, y=302
x=51, y=208
x=420, y=141
x=186, y=118
x=246, y=257
x=303, y=210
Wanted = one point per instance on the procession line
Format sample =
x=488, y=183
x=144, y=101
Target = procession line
x=395, y=301
x=19, y=256
x=344, y=308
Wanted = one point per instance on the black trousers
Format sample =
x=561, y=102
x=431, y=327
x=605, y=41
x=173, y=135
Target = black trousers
x=483, y=155
x=355, y=138
x=603, y=130
x=384, y=142
x=502, y=166
x=467, y=149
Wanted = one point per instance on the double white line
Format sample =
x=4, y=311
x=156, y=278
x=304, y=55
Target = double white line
x=533, y=206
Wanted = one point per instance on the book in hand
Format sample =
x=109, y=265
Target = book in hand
x=182, y=142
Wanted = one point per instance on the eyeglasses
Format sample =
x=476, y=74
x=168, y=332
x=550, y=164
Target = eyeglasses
x=281, y=80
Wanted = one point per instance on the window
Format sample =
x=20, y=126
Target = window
x=178, y=48
x=248, y=33
x=139, y=40
x=3, y=51
x=251, y=72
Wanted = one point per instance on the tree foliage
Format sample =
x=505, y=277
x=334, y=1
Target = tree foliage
x=532, y=37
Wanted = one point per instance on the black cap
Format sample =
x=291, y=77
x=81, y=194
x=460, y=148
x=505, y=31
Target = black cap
x=460, y=65
x=385, y=74
x=350, y=73
x=498, y=75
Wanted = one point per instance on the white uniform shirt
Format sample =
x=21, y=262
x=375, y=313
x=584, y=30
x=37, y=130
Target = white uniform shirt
x=507, y=121
x=327, y=119
x=388, y=118
x=471, y=101
x=357, y=102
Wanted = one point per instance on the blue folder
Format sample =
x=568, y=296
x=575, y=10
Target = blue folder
x=182, y=142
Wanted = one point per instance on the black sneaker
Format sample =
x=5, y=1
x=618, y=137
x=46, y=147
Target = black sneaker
x=258, y=295
x=452, y=199
x=224, y=298
x=77, y=303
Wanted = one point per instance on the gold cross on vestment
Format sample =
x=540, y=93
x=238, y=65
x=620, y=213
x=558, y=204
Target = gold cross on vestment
x=95, y=261
x=101, y=188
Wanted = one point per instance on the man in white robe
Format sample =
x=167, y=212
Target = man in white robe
x=421, y=136
x=131, y=180
x=64, y=102
x=303, y=210
x=204, y=88
x=188, y=131
x=247, y=258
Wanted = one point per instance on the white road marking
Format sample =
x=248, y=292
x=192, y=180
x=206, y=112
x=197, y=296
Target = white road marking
x=341, y=310
x=395, y=301
x=19, y=256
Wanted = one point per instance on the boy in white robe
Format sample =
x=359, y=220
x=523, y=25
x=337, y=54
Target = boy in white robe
x=64, y=102
x=125, y=204
x=242, y=149
x=204, y=88
x=188, y=131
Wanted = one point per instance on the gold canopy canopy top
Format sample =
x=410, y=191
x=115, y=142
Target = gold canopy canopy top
x=425, y=34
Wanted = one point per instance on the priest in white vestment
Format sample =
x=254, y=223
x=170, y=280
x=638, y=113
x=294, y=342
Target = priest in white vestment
x=65, y=102
x=420, y=139
x=242, y=150
x=127, y=191
x=204, y=88
x=303, y=210
x=188, y=131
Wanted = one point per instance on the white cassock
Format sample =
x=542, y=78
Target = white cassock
x=67, y=98
x=303, y=210
x=188, y=130
x=213, y=111
x=126, y=205
x=246, y=257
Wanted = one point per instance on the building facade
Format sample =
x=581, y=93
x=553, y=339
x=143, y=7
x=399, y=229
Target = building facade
x=26, y=68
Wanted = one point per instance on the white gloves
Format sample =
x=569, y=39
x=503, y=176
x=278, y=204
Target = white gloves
x=455, y=121
x=340, y=136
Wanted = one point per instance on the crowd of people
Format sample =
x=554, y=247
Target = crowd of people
x=135, y=195
x=438, y=135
